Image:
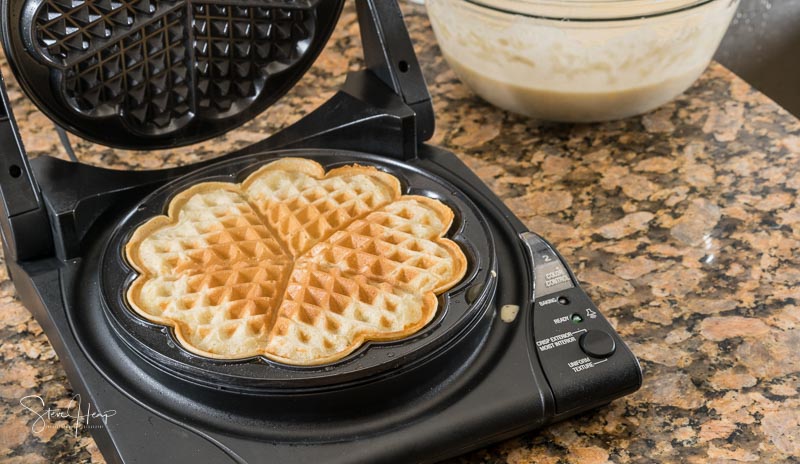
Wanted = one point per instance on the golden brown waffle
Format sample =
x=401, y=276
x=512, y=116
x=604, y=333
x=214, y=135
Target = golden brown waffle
x=294, y=264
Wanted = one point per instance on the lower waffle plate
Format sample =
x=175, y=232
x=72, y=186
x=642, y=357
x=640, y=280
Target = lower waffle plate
x=458, y=308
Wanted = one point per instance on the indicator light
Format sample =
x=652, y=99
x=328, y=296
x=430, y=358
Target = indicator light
x=576, y=318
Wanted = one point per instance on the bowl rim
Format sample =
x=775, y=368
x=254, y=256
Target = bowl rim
x=673, y=7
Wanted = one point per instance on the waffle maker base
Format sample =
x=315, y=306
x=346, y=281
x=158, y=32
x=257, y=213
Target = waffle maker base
x=490, y=383
x=518, y=345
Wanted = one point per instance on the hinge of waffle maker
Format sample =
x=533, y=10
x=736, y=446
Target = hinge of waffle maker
x=389, y=54
x=24, y=223
x=384, y=109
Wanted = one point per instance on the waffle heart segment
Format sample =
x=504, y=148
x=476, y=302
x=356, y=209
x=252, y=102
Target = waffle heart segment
x=303, y=204
x=294, y=264
x=211, y=269
x=374, y=280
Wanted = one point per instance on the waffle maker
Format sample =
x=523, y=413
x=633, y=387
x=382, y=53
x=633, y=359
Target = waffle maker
x=516, y=345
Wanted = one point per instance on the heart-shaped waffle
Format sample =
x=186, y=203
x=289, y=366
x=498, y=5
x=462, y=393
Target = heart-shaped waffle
x=294, y=264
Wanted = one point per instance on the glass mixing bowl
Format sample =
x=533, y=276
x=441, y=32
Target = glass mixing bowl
x=579, y=60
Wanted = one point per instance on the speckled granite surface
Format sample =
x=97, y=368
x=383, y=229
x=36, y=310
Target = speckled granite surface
x=684, y=226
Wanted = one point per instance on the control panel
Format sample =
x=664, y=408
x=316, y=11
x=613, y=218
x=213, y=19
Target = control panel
x=582, y=356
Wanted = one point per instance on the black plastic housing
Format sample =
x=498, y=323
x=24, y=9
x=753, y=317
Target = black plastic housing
x=491, y=384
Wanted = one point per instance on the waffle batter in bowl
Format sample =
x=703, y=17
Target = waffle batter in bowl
x=579, y=60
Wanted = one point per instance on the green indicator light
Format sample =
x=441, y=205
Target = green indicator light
x=576, y=318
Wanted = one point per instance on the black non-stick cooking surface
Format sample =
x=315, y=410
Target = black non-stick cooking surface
x=161, y=73
x=458, y=308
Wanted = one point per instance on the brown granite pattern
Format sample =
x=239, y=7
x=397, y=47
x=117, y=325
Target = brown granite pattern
x=683, y=224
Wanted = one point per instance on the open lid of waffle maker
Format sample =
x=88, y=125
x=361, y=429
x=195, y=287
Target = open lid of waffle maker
x=161, y=73
x=154, y=74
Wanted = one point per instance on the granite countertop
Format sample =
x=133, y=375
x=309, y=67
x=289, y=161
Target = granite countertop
x=683, y=225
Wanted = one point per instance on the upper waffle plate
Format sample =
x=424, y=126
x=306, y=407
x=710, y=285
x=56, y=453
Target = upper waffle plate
x=161, y=73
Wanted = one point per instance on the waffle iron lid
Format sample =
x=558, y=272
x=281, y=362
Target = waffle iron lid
x=146, y=74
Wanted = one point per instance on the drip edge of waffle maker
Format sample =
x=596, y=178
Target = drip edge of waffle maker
x=517, y=368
